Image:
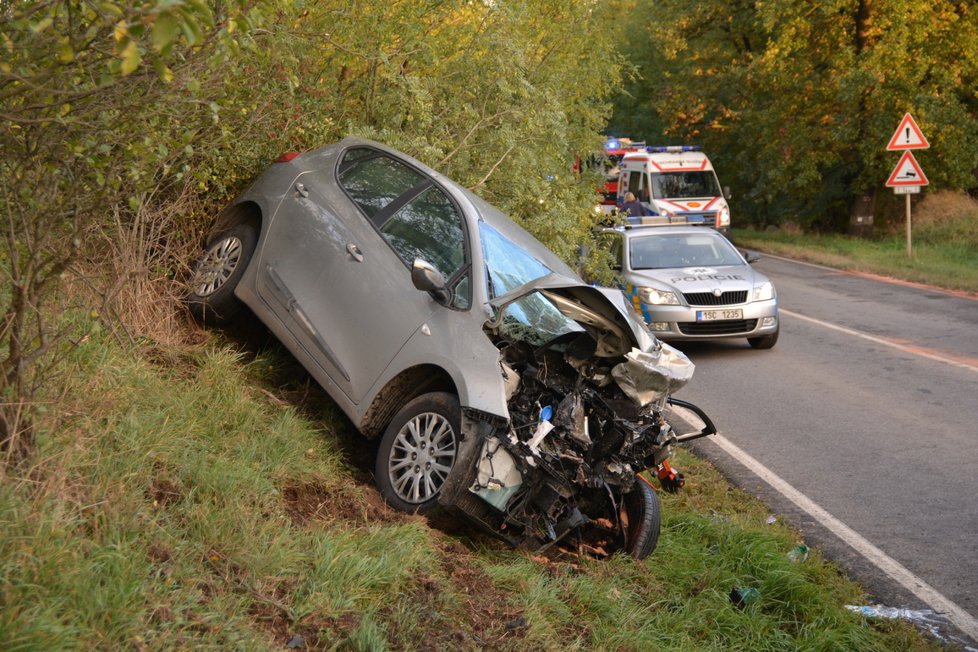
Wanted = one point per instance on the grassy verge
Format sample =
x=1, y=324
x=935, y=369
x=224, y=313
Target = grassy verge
x=203, y=499
x=944, y=252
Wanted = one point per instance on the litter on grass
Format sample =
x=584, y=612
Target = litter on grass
x=925, y=619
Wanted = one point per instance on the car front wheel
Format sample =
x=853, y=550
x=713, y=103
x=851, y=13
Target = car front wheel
x=210, y=295
x=764, y=341
x=418, y=451
x=644, y=520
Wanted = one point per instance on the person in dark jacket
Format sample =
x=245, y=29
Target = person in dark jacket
x=633, y=207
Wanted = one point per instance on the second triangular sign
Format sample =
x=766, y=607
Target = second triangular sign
x=907, y=173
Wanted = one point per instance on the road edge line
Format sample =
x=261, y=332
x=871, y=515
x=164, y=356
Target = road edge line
x=929, y=595
x=958, y=294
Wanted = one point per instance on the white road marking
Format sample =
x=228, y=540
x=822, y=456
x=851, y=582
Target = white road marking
x=955, y=614
x=880, y=340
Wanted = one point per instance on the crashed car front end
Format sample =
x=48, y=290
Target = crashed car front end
x=586, y=398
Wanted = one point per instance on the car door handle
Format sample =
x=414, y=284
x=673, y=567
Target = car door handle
x=354, y=252
x=301, y=189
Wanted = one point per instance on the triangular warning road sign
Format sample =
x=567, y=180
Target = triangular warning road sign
x=907, y=173
x=908, y=136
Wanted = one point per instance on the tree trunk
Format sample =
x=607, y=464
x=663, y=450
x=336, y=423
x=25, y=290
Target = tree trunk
x=864, y=203
x=861, y=214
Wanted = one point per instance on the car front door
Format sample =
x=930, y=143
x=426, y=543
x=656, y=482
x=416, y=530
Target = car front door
x=335, y=268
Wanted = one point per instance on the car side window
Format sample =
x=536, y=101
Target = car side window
x=374, y=180
x=429, y=227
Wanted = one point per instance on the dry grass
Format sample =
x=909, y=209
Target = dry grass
x=132, y=276
x=945, y=206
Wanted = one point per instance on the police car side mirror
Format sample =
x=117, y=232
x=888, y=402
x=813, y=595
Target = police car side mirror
x=751, y=256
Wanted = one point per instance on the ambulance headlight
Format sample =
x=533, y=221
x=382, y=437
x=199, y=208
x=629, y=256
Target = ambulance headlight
x=764, y=291
x=723, y=217
x=657, y=297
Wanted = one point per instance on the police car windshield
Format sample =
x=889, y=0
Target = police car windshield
x=685, y=185
x=666, y=251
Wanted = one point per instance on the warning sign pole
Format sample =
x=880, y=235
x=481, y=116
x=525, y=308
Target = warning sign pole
x=909, y=239
x=907, y=177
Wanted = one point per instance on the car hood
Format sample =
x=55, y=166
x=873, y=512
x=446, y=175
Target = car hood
x=647, y=370
x=726, y=278
x=602, y=308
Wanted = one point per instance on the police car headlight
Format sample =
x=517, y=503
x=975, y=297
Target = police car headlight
x=656, y=297
x=764, y=291
x=723, y=218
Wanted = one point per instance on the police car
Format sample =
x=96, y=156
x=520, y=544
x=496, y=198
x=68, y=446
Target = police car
x=691, y=283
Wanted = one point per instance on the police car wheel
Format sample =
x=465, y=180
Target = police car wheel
x=765, y=341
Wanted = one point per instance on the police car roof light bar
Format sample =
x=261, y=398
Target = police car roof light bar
x=672, y=149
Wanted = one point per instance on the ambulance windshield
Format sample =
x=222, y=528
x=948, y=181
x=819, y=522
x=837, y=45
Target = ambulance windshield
x=685, y=185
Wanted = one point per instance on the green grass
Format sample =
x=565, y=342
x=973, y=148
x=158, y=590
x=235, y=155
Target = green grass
x=944, y=238
x=204, y=499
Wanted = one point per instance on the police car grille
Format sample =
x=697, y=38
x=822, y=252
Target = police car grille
x=723, y=327
x=710, y=299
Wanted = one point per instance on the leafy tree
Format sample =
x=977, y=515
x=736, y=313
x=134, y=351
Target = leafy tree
x=122, y=125
x=797, y=100
x=101, y=108
x=498, y=96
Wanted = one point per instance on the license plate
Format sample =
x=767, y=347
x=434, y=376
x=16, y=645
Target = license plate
x=713, y=315
x=695, y=219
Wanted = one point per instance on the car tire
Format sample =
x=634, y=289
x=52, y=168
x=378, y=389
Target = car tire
x=210, y=295
x=417, y=452
x=765, y=341
x=644, y=520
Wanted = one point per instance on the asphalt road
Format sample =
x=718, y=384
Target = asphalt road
x=868, y=406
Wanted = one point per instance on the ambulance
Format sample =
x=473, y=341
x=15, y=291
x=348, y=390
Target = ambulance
x=676, y=185
x=615, y=149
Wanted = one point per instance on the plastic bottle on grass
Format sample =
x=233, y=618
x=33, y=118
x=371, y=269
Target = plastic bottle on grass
x=799, y=553
x=744, y=595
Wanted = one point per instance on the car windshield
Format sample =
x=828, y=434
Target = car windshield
x=663, y=251
x=685, y=185
x=532, y=318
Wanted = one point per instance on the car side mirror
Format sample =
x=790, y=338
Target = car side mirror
x=428, y=279
x=726, y=193
x=751, y=256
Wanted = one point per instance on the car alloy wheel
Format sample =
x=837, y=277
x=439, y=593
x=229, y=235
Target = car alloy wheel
x=418, y=451
x=210, y=292
x=217, y=265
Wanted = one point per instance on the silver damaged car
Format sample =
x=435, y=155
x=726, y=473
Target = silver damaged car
x=500, y=386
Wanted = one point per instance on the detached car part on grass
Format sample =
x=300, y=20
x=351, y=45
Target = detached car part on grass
x=499, y=384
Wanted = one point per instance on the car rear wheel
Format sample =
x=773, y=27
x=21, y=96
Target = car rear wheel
x=418, y=451
x=210, y=296
x=765, y=341
x=644, y=520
